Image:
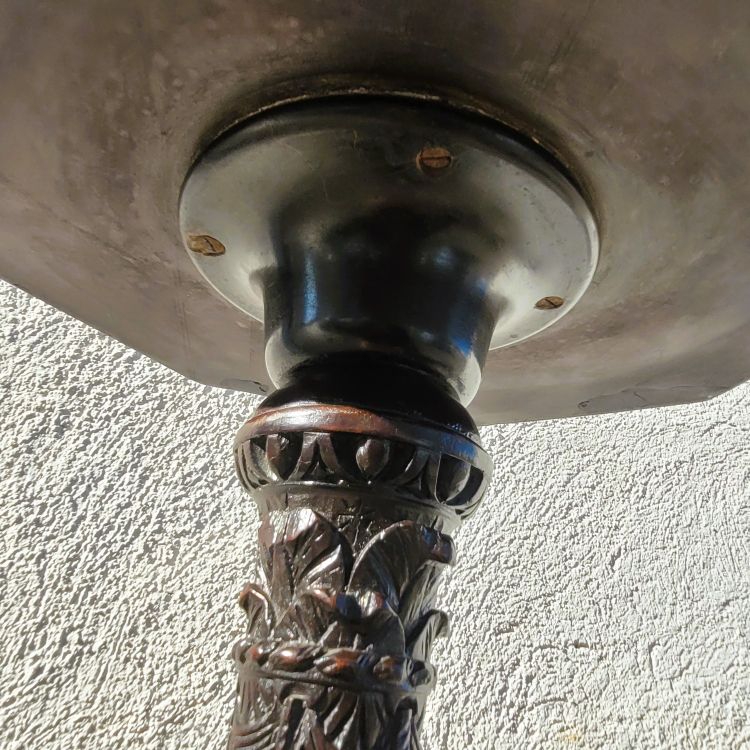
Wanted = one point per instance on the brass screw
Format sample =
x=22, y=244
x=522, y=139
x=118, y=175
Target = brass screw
x=433, y=160
x=549, y=303
x=204, y=244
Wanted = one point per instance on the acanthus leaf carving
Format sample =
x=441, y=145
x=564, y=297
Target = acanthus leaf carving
x=336, y=655
x=395, y=558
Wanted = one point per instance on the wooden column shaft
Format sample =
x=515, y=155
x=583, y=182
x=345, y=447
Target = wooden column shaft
x=356, y=508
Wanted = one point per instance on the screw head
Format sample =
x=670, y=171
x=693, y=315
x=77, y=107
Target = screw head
x=434, y=160
x=204, y=244
x=549, y=303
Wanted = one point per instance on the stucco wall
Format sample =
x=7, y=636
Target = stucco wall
x=601, y=600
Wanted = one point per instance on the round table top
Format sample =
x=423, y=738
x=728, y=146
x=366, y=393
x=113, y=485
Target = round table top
x=648, y=104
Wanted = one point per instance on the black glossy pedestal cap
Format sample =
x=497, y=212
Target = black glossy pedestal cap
x=389, y=227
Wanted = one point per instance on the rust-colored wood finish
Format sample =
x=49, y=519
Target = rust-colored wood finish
x=356, y=505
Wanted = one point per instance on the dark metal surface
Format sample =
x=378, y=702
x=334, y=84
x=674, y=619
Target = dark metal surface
x=364, y=224
x=108, y=104
x=355, y=505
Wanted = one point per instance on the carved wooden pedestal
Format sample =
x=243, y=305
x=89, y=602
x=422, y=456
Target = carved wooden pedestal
x=356, y=506
x=387, y=246
x=373, y=183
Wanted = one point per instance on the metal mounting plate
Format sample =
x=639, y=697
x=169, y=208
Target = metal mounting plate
x=111, y=104
x=349, y=156
x=457, y=209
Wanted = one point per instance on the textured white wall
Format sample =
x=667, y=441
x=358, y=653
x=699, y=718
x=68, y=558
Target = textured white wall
x=601, y=600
